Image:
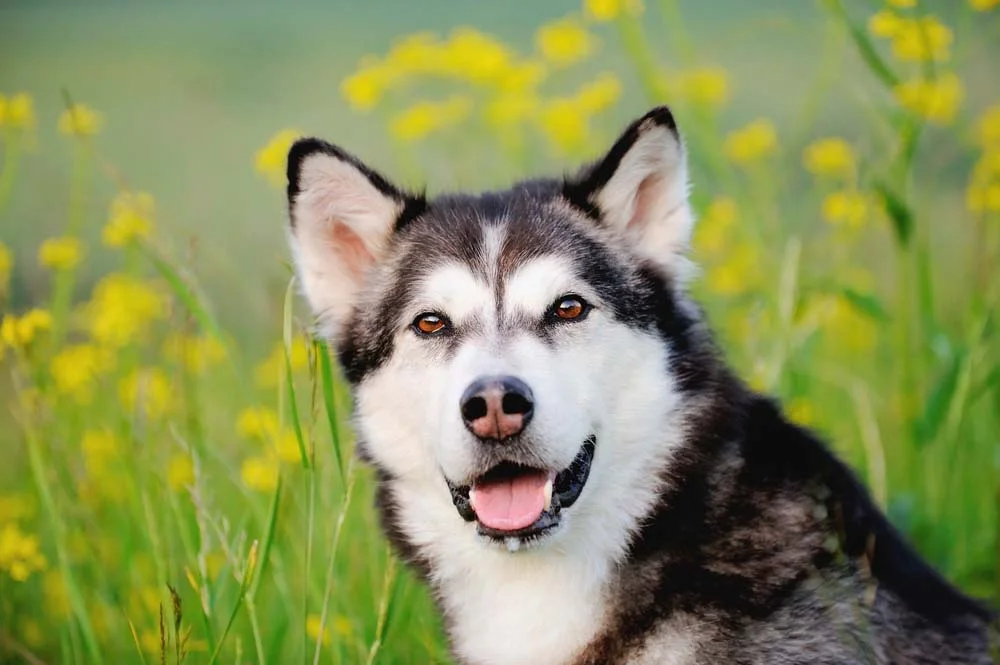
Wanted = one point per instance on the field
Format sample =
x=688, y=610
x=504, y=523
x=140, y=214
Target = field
x=178, y=483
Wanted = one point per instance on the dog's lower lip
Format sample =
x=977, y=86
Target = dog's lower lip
x=566, y=487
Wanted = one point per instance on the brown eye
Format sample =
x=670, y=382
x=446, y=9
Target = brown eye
x=568, y=308
x=429, y=323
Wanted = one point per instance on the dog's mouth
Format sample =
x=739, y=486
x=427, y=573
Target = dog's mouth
x=514, y=503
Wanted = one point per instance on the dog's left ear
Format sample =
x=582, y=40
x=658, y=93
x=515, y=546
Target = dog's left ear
x=640, y=189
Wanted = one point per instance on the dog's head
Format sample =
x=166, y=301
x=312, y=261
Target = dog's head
x=515, y=357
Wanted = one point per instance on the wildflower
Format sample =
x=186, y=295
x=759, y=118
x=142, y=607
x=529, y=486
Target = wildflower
x=56, y=595
x=801, y=411
x=987, y=134
x=196, y=352
x=564, y=42
x=260, y=473
x=76, y=368
x=16, y=506
x=509, y=109
x=842, y=324
x=122, y=308
x=424, y=118
x=983, y=5
x=936, y=101
x=313, y=626
x=268, y=373
x=716, y=224
x=63, y=253
x=602, y=11
x=884, y=24
x=902, y=4
x=80, y=120
x=475, y=57
x=130, y=219
x=257, y=422
x=521, y=78
x=565, y=125
x=364, y=88
x=147, y=391
x=599, y=94
x=983, y=192
x=20, y=554
x=752, y=142
x=20, y=332
x=17, y=112
x=270, y=160
x=180, y=471
x=922, y=39
x=734, y=275
x=99, y=447
x=845, y=208
x=31, y=633
x=829, y=157
x=6, y=267
x=704, y=86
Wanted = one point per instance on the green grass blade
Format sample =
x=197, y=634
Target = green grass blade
x=293, y=404
x=184, y=292
x=272, y=526
x=866, y=49
x=330, y=404
x=248, y=576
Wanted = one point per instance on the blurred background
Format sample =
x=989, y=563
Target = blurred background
x=845, y=166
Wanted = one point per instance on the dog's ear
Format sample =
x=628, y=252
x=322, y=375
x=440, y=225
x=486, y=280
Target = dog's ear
x=640, y=188
x=342, y=216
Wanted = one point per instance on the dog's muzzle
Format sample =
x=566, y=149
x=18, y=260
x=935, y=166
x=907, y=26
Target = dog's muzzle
x=514, y=503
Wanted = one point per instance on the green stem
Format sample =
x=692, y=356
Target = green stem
x=62, y=297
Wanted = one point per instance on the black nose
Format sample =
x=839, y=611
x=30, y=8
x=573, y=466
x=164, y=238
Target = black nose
x=495, y=408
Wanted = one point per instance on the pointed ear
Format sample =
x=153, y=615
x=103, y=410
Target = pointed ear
x=342, y=216
x=640, y=189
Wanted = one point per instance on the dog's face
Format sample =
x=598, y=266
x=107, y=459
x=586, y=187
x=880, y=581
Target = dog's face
x=510, y=353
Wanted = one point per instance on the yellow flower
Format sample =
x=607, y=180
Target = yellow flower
x=983, y=192
x=884, y=24
x=599, y=94
x=76, y=368
x=716, y=224
x=842, y=324
x=260, y=473
x=63, y=253
x=272, y=158
x=522, y=77
x=313, y=625
x=829, y=157
x=122, y=308
x=365, y=88
x=17, y=506
x=936, y=101
x=476, y=57
x=734, y=276
x=257, y=422
x=56, y=595
x=509, y=109
x=31, y=633
x=6, y=267
x=565, y=125
x=130, y=219
x=564, y=42
x=196, y=352
x=99, y=446
x=902, y=4
x=20, y=553
x=180, y=471
x=987, y=133
x=147, y=391
x=19, y=332
x=704, y=86
x=922, y=39
x=602, y=11
x=801, y=411
x=268, y=373
x=752, y=142
x=983, y=5
x=845, y=208
x=18, y=111
x=424, y=118
x=80, y=120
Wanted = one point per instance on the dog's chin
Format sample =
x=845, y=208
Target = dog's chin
x=517, y=506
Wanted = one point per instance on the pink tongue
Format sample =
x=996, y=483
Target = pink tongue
x=510, y=504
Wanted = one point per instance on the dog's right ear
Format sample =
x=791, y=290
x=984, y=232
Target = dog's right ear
x=342, y=215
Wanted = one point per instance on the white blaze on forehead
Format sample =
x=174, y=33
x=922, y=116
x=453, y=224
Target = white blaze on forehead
x=454, y=290
x=532, y=287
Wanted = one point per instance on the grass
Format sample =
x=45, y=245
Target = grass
x=180, y=484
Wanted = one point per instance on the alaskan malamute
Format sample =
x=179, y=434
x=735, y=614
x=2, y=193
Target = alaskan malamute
x=562, y=453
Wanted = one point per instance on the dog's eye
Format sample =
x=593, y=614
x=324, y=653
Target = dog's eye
x=430, y=323
x=568, y=308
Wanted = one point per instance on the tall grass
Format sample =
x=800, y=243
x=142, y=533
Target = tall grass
x=172, y=500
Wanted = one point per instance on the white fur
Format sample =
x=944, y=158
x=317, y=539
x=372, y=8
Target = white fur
x=647, y=198
x=335, y=199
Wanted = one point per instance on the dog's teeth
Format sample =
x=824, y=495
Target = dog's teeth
x=472, y=498
x=548, y=493
x=513, y=544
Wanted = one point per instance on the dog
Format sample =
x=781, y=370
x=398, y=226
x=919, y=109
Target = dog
x=562, y=453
